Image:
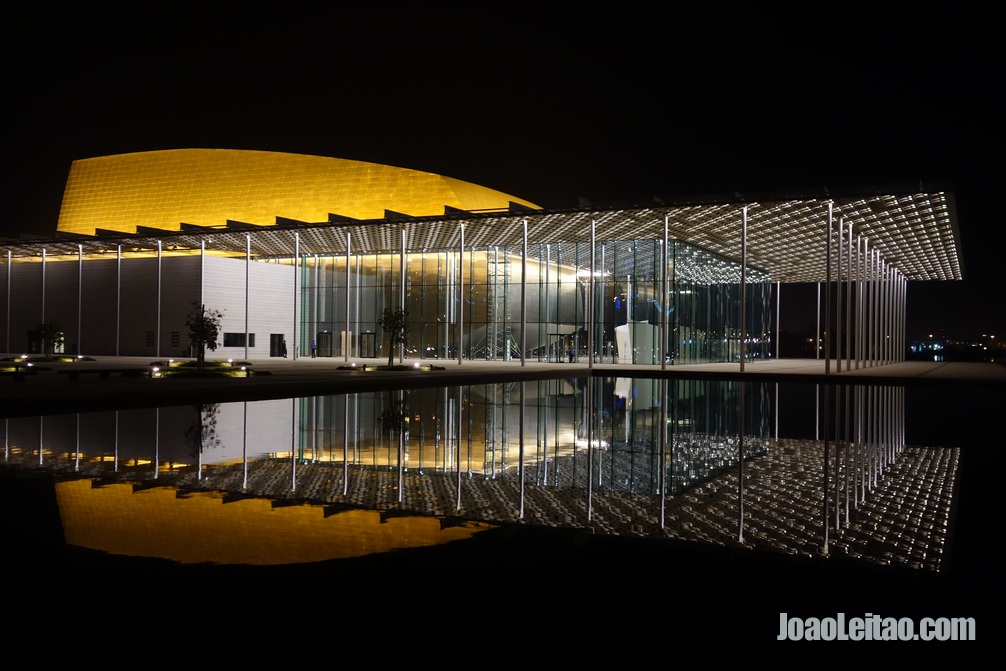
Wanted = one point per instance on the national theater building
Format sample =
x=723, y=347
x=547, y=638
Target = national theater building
x=296, y=249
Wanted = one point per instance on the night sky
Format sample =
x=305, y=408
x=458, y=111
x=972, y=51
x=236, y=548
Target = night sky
x=608, y=103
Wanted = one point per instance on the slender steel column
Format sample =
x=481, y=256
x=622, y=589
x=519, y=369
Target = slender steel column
x=157, y=342
x=848, y=302
x=43, y=286
x=348, y=336
x=296, y=272
x=461, y=322
x=118, y=295
x=523, y=329
x=8, y=301
x=401, y=295
x=247, y=287
x=827, y=302
x=202, y=271
x=316, y=301
x=778, y=317
x=838, y=297
x=885, y=315
x=592, y=309
x=80, y=295
x=860, y=241
x=817, y=332
x=664, y=304
x=744, y=265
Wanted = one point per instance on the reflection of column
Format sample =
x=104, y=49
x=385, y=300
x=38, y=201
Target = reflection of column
x=401, y=443
x=663, y=448
x=824, y=498
x=838, y=450
x=345, y=437
x=293, y=444
x=244, y=449
x=588, y=407
x=520, y=456
x=740, y=460
x=458, y=450
x=76, y=452
x=115, y=444
x=157, y=440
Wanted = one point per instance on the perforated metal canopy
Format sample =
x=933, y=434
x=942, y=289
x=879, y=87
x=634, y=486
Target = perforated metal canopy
x=914, y=230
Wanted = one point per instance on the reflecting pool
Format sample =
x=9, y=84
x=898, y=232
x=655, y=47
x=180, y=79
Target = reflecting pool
x=322, y=477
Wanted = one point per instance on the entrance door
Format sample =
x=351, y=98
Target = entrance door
x=324, y=343
x=277, y=344
x=368, y=344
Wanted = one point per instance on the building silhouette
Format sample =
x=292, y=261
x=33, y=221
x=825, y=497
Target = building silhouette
x=303, y=248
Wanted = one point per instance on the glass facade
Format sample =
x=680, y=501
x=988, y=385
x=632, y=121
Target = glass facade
x=609, y=304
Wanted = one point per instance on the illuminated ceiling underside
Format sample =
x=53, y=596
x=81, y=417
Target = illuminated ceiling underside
x=914, y=231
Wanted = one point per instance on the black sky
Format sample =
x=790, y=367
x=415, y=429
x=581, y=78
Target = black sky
x=612, y=103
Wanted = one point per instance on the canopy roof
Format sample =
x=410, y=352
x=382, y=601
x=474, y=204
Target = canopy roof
x=914, y=229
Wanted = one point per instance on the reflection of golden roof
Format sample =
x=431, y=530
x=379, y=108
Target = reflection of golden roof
x=202, y=528
x=163, y=189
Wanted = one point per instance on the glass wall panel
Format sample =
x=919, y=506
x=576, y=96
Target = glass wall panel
x=702, y=308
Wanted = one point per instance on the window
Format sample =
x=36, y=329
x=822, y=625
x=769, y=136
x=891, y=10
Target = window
x=238, y=340
x=176, y=338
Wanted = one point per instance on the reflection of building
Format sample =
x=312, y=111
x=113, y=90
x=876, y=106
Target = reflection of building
x=302, y=248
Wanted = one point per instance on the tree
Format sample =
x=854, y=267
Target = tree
x=395, y=324
x=204, y=328
x=51, y=333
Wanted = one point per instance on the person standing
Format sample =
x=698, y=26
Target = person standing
x=314, y=349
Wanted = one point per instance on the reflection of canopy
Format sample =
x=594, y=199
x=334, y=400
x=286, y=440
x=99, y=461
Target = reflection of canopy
x=202, y=527
x=914, y=230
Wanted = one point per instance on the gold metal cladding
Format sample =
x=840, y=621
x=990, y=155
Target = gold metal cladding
x=208, y=187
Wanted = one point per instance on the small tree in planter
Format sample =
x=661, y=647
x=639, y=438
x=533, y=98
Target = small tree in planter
x=395, y=323
x=204, y=328
x=51, y=333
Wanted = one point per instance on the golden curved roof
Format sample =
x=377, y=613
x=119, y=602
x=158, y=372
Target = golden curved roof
x=208, y=187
